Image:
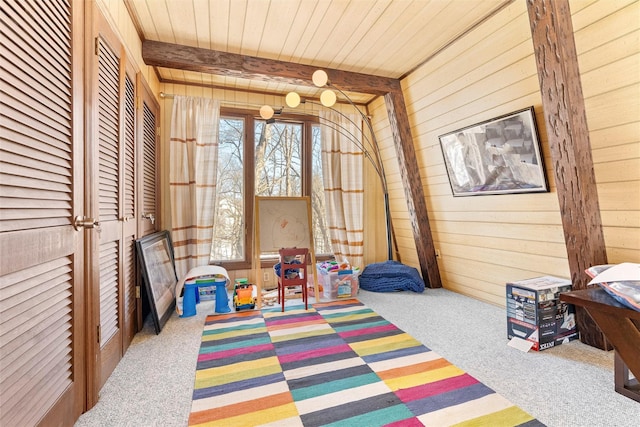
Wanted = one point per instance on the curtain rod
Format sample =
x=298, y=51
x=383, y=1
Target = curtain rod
x=170, y=95
x=279, y=110
x=244, y=104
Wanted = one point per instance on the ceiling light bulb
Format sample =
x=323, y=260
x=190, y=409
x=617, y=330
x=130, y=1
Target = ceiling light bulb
x=320, y=78
x=292, y=99
x=266, y=112
x=328, y=98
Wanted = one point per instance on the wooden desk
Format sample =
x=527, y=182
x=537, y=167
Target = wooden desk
x=621, y=326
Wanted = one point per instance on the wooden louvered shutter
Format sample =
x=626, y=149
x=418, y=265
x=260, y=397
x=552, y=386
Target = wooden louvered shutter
x=128, y=209
x=149, y=180
x=108, y=187
x=41, y=190
x=108, y=100
x=147, y=113
x=129, y=149
x=114, y=133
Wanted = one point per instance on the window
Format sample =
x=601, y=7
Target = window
x=229, y=223
x=283, y=161
x=278, y=157
x=321, y=238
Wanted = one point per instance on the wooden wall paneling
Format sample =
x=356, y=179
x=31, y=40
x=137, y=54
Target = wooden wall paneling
x=486, y=73
x=614, y=49
x=521, y=246
x=492, y=47
x=567, y=132
x=607, y=37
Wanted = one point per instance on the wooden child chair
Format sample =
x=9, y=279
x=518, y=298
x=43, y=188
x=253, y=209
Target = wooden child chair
x=293, y=260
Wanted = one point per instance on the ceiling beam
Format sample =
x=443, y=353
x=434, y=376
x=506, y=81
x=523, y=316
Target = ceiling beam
x=168, y=55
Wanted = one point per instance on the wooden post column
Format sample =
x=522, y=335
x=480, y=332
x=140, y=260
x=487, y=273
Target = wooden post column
x=412, y=184
x=568, y=135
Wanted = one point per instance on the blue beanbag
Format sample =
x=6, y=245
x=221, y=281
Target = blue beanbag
x=391, y=276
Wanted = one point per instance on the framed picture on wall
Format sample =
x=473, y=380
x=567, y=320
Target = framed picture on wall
x=498, y=156
x=157, y=268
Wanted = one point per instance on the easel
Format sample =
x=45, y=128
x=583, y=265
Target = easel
x=282, y=222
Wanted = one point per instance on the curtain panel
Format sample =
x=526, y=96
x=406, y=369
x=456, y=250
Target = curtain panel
x=342, y=169
x=192, y=179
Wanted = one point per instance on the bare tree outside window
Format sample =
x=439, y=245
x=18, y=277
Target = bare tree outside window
x=278, y=159
x=321, y=238
x=229, y=224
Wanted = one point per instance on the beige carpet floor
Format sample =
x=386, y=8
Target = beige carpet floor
x=567, y=386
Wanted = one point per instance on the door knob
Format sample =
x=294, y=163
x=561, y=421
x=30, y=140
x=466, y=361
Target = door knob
x=85, y=222
x=150, y=217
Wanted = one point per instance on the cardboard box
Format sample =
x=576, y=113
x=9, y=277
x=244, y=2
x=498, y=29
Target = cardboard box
x=535, y=312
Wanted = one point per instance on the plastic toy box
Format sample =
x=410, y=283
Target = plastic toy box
x=338, y=284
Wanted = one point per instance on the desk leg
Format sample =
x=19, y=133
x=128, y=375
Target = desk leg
x=624, y=334
x=624, y=384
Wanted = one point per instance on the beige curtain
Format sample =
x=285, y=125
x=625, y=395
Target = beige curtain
x=343, y=185
x=192, y=179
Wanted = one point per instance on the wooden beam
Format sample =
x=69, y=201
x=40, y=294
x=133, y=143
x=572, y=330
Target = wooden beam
x=568, y=135
x=208, y=61
x=412, y=183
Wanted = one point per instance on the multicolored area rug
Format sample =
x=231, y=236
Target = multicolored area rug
x=336, y=364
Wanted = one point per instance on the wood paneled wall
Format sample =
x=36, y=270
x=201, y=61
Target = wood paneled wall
x=607, y=36
x=486, y=241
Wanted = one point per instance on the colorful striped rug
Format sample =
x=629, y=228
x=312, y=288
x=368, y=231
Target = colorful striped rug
x=336, y=364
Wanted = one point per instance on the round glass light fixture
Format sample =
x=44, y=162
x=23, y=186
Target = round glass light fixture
x=328, y=98
x=292, y=99
x=266, y=112
x=319, y=78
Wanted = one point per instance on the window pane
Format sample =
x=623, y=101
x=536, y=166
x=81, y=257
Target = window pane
x=228, y=230
x=278, y=159
x=321, y=237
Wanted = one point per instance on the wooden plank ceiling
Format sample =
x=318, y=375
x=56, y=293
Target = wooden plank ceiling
x=386, y=38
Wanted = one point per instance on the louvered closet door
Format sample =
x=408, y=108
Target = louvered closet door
x=148, y=180
x=112, y=149
x=110, y=194
x=147, y=115
x=42, y=378
x=128, y=213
